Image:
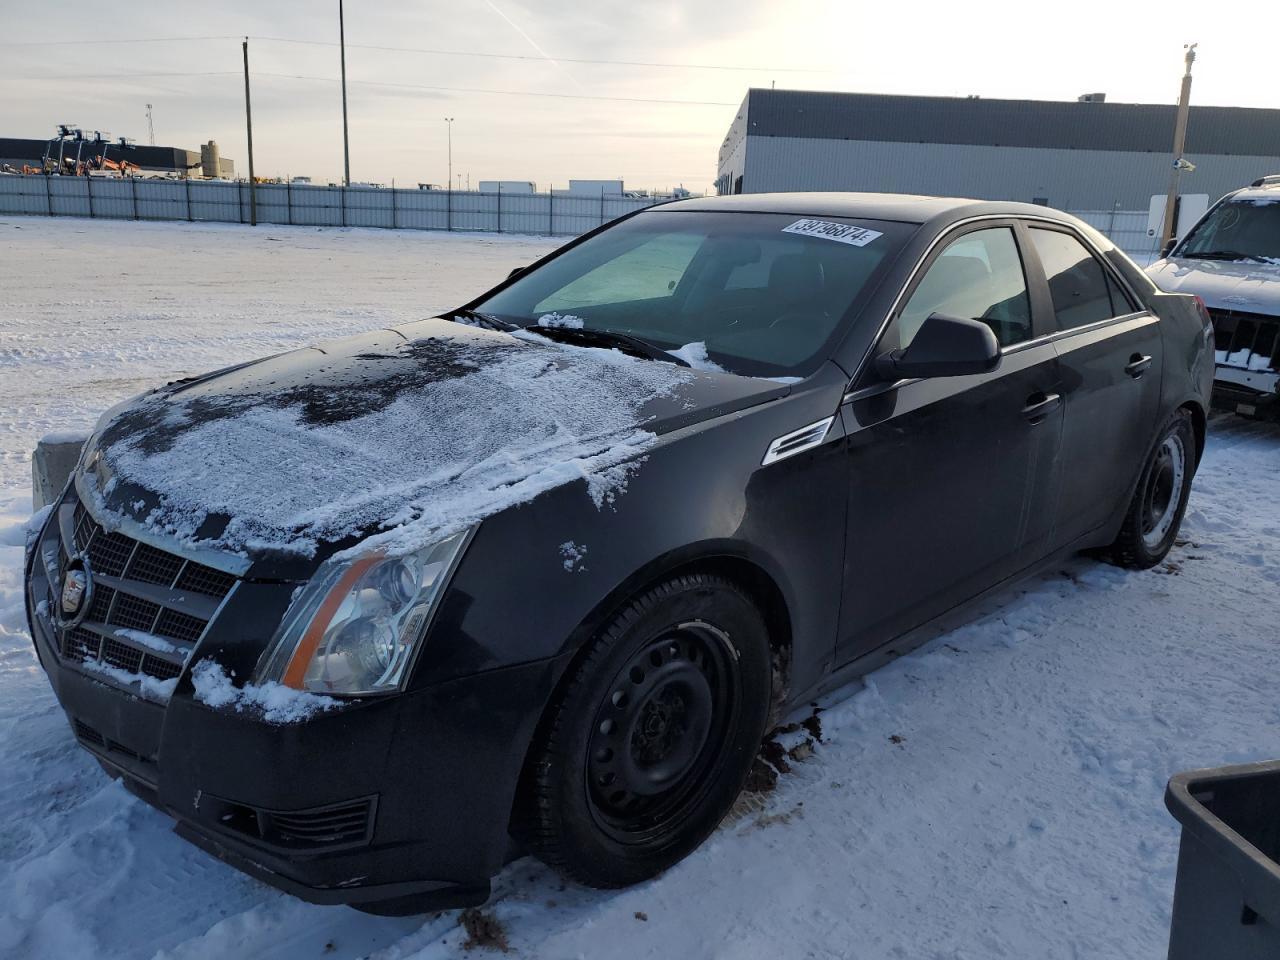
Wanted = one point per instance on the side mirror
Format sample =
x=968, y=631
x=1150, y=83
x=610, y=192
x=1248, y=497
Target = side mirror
x=515, y=271
x=943, y=347
x=1168, y=246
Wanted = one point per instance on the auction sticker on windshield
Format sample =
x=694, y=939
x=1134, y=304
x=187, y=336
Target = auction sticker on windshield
x=839, y=232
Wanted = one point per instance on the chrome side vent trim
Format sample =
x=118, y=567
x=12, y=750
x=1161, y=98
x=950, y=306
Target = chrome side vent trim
x=797, y=441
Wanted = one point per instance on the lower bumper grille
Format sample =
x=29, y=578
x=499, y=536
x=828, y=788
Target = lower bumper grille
x=108, y=748
x=344, y=824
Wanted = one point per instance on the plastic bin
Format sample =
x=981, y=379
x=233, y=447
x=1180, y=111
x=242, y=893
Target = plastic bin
x=1226, y=904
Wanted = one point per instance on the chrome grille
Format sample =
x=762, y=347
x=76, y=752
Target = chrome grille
x=206, y=580
x=117, y=654
x=178, y=626
x=102, y=597
x=134, y=613
x=154, y=566
x=81, y=644
x=109, y=552
x=144, y=583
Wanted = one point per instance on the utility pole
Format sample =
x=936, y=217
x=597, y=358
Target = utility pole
x=449, y=127
x=248, y=122
x=449, y=183
x=1179, y=142
x=151, y=128
x=346, y=144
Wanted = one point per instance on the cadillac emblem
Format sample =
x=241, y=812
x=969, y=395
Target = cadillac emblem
x=73, y=590
x=76, y=594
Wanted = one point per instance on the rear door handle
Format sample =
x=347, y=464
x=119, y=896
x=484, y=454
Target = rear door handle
x=1137, y=365
x=1040, y=405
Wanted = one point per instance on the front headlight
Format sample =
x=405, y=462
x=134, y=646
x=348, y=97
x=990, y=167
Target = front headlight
x=355, y=627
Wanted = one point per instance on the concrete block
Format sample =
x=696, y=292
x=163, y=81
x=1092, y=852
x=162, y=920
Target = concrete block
x=52, y=461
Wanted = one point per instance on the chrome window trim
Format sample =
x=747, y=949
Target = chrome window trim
x=1110, y=271
x=1076, y=331
x=944, y=237
x=878, y=388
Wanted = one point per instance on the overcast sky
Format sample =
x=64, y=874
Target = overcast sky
x=1132, y=51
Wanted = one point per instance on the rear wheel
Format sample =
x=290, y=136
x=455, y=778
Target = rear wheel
x=652, y=739
x=1155, y=513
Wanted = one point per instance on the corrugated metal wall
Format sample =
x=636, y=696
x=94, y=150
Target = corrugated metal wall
x=1052, y=124
x=542, y=213
x=1067, y=179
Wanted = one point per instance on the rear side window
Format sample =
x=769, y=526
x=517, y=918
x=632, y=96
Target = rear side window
x=1081, y=290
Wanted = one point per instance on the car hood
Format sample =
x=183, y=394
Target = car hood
x=393, y=439
x=1223, y=285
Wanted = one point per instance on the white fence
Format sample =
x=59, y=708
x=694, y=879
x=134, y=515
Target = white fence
x=131, y=199
x=305, y=204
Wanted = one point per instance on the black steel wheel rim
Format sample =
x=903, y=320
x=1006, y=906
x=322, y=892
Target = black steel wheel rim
x=657, y=739
x=1163, y=489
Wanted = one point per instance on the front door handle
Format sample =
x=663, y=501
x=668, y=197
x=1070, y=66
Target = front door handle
x=1040, y=405
x=1137, y=365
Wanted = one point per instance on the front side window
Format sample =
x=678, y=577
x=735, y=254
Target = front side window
x=1078, y=285
x=768, y=294
x=977, y=277
x=1237, y=230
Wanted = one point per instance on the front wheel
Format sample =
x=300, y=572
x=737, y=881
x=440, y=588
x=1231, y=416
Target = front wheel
x=653, y=736
x=1155, y=513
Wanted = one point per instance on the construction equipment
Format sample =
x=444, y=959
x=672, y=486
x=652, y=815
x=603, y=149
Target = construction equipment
x=95, y=162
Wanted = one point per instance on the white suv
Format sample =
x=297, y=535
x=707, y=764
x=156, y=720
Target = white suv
x=1231, y=260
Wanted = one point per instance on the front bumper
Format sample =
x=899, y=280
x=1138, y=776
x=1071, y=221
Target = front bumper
x=1247, y=355
x=398, y=798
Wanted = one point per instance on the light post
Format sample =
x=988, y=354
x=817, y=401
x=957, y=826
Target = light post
x=346, y=144
x=449, y=122
x=449, y=197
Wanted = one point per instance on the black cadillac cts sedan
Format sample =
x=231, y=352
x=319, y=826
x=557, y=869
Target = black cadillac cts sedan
x=370, y=619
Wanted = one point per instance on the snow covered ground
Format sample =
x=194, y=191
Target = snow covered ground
x=996, y=794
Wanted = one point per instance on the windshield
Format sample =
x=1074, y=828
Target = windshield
x=753, y=293
x=1237, y=230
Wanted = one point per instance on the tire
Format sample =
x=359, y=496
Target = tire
x=651, y=740
x=1160, y=499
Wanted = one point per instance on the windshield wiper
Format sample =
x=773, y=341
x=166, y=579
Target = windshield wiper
x=1224, y=255
x=474, y=318
x=607, y=338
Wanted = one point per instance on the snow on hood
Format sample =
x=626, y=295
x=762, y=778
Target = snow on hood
x=1224, y=285
x=401, y=440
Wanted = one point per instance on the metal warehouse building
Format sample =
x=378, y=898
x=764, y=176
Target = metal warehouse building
x=1086, y=155
x=17, y=151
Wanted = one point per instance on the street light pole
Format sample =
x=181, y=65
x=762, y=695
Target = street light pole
x=346, y=145
x=449, y=122
x=449, y=183
x=1170, y=230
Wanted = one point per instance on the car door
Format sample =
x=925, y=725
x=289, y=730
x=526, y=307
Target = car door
x=1111, y=359
x=952, y=479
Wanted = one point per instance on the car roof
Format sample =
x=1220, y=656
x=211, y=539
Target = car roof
x=1269, y=189
x=903, y=207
